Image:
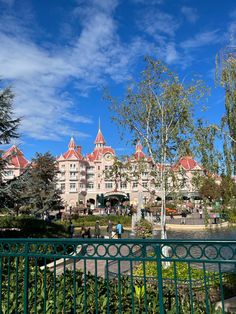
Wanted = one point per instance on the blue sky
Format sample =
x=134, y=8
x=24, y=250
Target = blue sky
x=58, y=55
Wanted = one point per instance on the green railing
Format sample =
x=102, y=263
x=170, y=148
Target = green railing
x=116, y=276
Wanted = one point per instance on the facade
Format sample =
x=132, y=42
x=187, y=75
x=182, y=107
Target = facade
x=16, y=163
x=86, y=180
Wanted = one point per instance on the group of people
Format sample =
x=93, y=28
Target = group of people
x=86, y=232
x=110, y=230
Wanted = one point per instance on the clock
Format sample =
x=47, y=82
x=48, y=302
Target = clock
x=108, y=157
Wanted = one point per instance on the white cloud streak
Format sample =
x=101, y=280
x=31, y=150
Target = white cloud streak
x=202, y=39
x=93, y=54
x=39, y=75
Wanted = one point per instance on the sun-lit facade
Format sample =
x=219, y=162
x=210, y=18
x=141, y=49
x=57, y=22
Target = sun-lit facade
x=84, y=179
x=16, y=163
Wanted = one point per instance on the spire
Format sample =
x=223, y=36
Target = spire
x=139, y=147
x=72, y=144
x=139, y=154
x=99, y=141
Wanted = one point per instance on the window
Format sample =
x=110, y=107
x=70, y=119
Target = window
x=135, y=184
x=108, y=185
x=63, y=186
x=123, y=185
x=73, y=167
x=73, y=187
x=82, y=186
x=98, y=167
x=90, y=186
x=144, y=184
x=90, y=176
x=98, y=186
x=9, y=173
x=90, y=169
x=62, y=168
x=73, y=175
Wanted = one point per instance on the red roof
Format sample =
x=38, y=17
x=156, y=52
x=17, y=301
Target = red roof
x=99, y=152
x=15, y=157
x=72, y=152
x=187, y=163
x=99, y=138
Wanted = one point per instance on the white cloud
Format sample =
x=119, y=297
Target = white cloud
x=157, y=23
x=39, y=75
x=171, y=53
x=201, y=39
x=190, y=14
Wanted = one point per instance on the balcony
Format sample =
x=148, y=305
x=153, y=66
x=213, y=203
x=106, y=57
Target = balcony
x=116, y=276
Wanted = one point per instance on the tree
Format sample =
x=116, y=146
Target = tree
x=43, y=194
x=209, y=189
x=227, y=64
x=14, y=193
x=8, y=124
x=227, y=189
x=158, y=111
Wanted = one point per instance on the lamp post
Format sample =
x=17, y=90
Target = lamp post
x=70, y=209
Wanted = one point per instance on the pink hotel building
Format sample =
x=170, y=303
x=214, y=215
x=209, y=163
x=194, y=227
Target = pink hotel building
x=82, y=179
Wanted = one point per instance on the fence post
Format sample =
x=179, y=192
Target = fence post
x=159, y=279
x=26, y=277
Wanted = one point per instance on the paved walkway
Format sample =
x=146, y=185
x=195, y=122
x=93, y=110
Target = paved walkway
x=191, y=219
x=97, y=266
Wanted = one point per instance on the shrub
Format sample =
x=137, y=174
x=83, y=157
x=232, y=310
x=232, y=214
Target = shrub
x=143, y=229
x=30, y=227
x=90, y=220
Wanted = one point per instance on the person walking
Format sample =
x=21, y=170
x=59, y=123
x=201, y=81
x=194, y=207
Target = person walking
x=119, y=230
x=200, y=212
x=109, y=228
x=183, y=219
x=97, y=231
x=82, y=232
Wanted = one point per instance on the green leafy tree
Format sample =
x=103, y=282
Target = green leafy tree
x=210, y=189
x=227, y=79
x=227, y=189
x=42, y=190
x=158, y=111
x=205, y=137
x=119, y=172
x=8, y=123
x=14, y=193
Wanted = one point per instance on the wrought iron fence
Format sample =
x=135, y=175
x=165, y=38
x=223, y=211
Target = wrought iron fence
x=117, y=276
